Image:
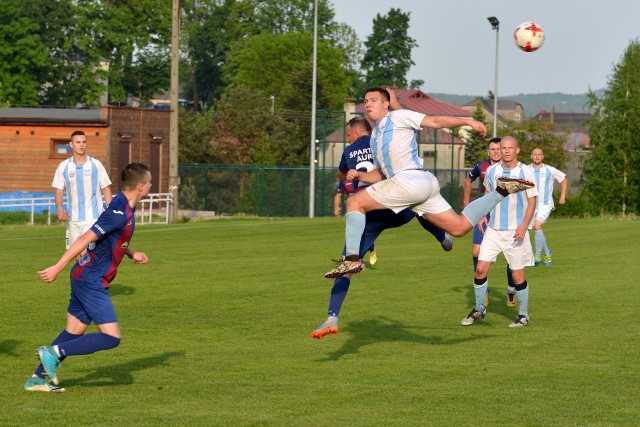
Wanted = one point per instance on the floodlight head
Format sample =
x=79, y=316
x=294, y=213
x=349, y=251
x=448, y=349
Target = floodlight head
x=495, y=24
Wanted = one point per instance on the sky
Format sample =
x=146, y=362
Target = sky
x=456, y=51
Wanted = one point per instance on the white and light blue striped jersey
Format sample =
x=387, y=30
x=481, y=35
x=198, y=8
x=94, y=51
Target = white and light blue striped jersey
x=544, y=182
x=509, y=213
x=393, y=142
x=83, y=183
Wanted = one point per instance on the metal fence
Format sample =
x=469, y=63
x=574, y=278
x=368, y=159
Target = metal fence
x=153, y=209
x=273, y=191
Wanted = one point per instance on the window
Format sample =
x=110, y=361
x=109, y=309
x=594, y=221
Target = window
x=60, y=149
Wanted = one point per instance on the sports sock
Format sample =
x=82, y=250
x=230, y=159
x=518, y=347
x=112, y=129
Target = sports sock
x=510, y=282
x=88, y=344
x=64, y=336
x=480, y=289
x=475, y=263
x=541, y=241
x=482, y=206
x=338, y=294
x=355, y=223
x=437, y=232
x=522, y=292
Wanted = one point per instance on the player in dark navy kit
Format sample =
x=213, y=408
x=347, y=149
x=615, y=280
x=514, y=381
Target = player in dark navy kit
x=90, y=279
x=493, y=150
x=358, y=156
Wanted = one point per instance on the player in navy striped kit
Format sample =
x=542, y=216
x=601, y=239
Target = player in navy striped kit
x=90, y=279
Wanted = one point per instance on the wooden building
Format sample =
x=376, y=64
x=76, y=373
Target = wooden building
x=33, y=141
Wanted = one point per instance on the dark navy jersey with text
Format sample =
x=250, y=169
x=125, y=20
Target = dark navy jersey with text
x=357, y=156
x=114, y=229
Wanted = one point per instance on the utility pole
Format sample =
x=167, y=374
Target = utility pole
x=174, y=178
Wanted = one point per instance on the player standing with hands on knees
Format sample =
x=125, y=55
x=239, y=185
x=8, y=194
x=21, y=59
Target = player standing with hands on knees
x=399, y=180
x=83, y=177
x=90, y=279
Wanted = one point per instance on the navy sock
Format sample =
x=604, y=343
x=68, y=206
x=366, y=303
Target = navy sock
x=437, y=232
x=88, y=344
x=64, y=336
x=509, y=278
x=338, y=294
x=475, y=263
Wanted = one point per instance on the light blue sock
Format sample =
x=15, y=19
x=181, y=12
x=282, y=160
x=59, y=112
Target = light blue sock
x=522, y=292
x=541, y=241
x=356, y=222
x=481, y=207
x=480, y=291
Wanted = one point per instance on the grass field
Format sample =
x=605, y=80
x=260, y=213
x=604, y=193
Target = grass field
x=215, y=331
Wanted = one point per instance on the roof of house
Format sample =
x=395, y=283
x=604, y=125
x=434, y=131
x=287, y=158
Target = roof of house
x=49, y=115
x=573, y=122
x=417, y=100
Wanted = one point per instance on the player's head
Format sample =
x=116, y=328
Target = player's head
x=493, y=150
x=376, y=103
x=78, y=142
x=510, y=149
x=537, y=156
x=136, y=176
x=357, y=127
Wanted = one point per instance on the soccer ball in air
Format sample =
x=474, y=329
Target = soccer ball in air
x=529, y=36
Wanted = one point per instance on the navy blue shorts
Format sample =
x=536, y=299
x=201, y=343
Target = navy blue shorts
x=90, y=302
x=477, y=234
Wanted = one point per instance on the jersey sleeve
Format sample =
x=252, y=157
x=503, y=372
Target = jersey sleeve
x=58, y=177
x=530, y=175
x=113, y=218
x=558, y=175
x=342, y=167
x=407, y=118
x=475, y=172
x=103, y=176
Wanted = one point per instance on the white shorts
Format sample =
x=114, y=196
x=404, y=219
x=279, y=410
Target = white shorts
x=542, y=213
x=418, y=190
x=76, y=229
x=518, y=253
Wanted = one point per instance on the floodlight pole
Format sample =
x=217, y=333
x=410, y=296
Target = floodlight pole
x=312, y=156
x=495, y=24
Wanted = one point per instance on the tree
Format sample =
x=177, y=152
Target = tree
x=265, y=63
x=148, y=74
x=612, y=175
x=388, y=51
x=23, y=56
x=49, y=55
x=538, y=134
x=476, y=149
x=125, y=32
x=248, y=133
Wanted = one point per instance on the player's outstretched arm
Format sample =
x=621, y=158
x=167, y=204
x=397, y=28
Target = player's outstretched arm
x=453, y=122
x=137, y=257
x=50, y=274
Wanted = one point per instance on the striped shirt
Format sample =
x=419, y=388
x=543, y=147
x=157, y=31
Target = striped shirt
x=544, y=181
x=393, y=142
x=509, y=213
x=83, y=183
